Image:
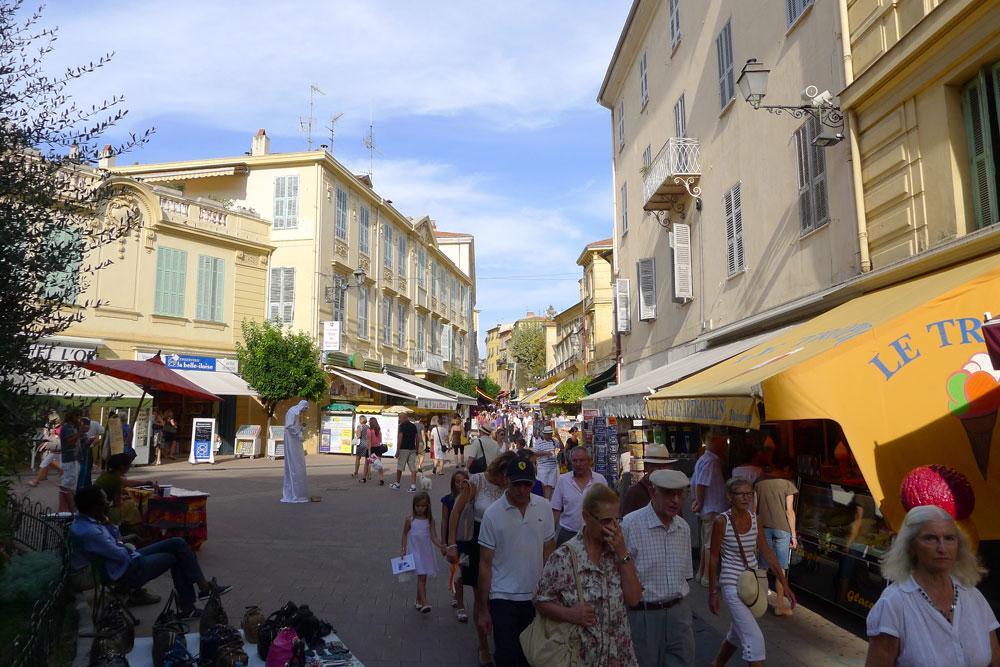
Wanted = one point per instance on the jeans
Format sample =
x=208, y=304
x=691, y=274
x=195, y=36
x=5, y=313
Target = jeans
x=780, y=542
x=564, y=535
x=172, y=554
x=510, y=618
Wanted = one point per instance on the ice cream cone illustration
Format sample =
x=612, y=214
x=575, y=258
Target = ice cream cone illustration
x=974, y=394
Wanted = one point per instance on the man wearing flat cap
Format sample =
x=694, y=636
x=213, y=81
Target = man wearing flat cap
x=659, y=540
x=654, y=457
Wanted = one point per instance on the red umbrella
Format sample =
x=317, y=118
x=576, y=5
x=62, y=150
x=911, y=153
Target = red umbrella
x=151, y=375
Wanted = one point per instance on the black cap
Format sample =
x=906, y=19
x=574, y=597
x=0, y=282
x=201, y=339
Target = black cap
x=520, y=470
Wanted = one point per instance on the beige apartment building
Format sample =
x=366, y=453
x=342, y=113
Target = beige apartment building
x=596, y=299
x=723, y=213
x=401, y=292
x=564, y=345
x=498, y=367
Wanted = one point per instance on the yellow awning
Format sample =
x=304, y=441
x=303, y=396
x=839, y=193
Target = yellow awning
x=903, y=370
x=370, y=409
x=536, y=397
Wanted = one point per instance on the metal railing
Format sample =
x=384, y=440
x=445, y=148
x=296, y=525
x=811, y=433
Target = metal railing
x=679, y=156
x=35, y=527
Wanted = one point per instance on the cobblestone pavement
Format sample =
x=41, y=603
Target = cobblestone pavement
x=333, y=555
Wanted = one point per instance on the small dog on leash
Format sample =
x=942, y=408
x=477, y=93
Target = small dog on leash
x=424, y=482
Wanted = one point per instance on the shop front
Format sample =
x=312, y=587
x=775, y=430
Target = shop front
x=855, y=399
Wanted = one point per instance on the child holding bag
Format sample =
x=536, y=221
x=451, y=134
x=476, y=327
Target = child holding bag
x=418, y=537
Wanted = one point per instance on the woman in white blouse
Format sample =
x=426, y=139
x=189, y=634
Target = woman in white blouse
x=932, y=614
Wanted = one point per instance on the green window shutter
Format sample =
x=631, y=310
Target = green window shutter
x=159, y=293
x=202, y=307
x=218, y=280
x=180, y=274
x=171, y=266
x=982, y=167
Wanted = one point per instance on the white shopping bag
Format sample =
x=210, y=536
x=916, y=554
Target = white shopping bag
x=403, y=567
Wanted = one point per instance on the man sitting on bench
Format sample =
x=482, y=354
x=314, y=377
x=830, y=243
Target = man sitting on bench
x=95, y=540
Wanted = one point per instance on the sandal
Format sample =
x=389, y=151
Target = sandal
x=426, y=609
x=462, y=616
x=454, y=603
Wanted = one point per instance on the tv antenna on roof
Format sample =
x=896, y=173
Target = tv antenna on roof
x=330, y=127
x=306, y=124
x=369, y=142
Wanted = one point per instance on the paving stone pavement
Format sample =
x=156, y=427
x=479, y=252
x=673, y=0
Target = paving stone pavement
x=333, y=555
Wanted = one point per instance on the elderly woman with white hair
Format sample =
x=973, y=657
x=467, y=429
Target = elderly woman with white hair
x=932, y=614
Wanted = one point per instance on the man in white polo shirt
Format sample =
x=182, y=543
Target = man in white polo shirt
x=567, y=499
x=516, y=536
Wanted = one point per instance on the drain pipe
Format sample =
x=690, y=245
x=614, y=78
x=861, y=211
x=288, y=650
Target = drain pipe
x=852, y=122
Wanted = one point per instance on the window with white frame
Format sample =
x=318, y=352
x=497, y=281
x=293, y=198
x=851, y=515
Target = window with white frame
x=460, y=357
x=647, y=158
x=363, y=297
x=339, y=303
x=465, y=300
x=732, y=204
x=624, y=205
x=401, y=256
x=341, y=214
x=364, y=229
x=680, y=118
x=643, y=81
x=208, y=306
x=794, y=9
x=454, y=293
x=811, y=170
x=675, y=23
x=286, y=202
x=434, y=278
x=621, y=124
x=421, y=267
x=401, y=325
x=646, y=278
x=281, y=295
x=171, y=274
x=387, y=246
x=724, y=54
x=386, y=320
x=421, y=333
x=435, y=330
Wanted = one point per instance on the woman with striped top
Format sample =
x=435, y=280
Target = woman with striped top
x=735, y=545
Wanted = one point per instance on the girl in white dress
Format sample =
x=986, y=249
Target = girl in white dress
x=419, y=538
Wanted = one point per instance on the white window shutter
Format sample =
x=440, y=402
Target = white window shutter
x=623, y=305
x=738, y=226
x=274, y=295
x=681, y=243
x=287, y=295
x=203, y=306
x=292, y=205
x=646, y=275
x=279, y=202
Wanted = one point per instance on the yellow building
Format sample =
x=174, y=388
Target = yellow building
x=596, y=287
x=564, y=345
x=922, y=98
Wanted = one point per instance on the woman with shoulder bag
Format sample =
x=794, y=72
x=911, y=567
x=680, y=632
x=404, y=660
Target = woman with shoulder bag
x=360, y=445
x=456, y=440
x=736, y=541
x=375, y=451
x=588, y=584
x=439, y=441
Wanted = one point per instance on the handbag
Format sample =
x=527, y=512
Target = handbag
x=213, y=614
x=168, y=630
x=269, y=629
x=478, y=464
x=752, y=584
x=549, y=642
x=114, y=634
x=380, y=450
x=252, y=618
x=218, y=641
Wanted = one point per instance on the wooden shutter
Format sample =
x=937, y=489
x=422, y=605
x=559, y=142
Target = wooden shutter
x=274, y=296
x=802, y=149
x=401, y=263
x=292, y=201
x=732, y=204
x=821, y=211
x=287, y=295
x=646, y=276
x=279, y=202
x=203, y=305
x=738, y=225
x=983, y=173
x=680, y=118
x=680, y=241
x=170, y=276
x=623, y=306
x=218, y=280
x=446, y=342
x=675, y=23
x=724, y=53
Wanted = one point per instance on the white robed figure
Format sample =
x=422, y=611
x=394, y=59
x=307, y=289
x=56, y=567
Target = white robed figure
x=295, y=490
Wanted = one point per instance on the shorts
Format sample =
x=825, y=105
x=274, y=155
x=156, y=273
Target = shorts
x=548, y=475
x=780, y=542
x=406, y=458
x=707, y=521
x=70, y=476
x=470, y=571
x=49, y=458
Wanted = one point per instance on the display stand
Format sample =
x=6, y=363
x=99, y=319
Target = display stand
x=202, y=440
x=276, y=442
x=336, y=431
x=248, y=441
x=142, y=434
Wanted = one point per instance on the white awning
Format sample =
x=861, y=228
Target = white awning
x=462, y=399
x=85, y=384
x=425, y=398
x=189, y=174
x=219, y=383
x=628, y=399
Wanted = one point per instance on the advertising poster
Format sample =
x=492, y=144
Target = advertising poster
x=141, y=435
x=389, y=424
x=611, y=437
x=336, y=432
x=601, y=445
x=202, y=437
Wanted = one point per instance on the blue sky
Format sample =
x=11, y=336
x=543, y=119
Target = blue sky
x=484, y=112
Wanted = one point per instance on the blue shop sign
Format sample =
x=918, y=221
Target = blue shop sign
x=189, y=363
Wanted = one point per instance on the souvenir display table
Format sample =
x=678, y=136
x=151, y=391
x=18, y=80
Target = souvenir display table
x=178, y=513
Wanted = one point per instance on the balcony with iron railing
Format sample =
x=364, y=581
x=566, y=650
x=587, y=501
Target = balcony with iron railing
x=423, y=361
x=674, y=171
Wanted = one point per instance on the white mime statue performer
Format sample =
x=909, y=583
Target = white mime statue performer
x=295, y=459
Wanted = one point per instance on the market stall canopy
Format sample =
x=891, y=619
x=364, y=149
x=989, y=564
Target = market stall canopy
x=150, y=374
x=461, y=399
x=600, y=383
x=390, y=385
x=218, y=382
x=628, y=399
x=84, y=384
x=536, y=397
x=903, y=370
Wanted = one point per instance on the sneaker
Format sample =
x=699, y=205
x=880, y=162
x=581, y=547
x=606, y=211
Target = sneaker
x=462, y=616
x=393, y=485
x=412, y=489
x=221, y=589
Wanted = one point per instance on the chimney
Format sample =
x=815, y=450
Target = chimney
x=261, y=145
x=107, y=158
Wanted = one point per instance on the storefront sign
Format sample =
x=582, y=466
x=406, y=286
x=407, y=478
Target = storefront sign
x=202, y=440
x=739, y=411
x=436, y=404
x=62, y=353
x=189, y=362
x=331, y=336
x=336, y=432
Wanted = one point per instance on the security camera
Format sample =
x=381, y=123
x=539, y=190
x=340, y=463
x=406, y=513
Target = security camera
x=823, y=99
x=809, y=92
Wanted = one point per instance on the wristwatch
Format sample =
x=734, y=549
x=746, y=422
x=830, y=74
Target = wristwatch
x=625, y=559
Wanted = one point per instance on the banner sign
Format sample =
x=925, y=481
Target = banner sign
x=331, y=336
x=738, y=411
x=436, y=404
x=189, y=362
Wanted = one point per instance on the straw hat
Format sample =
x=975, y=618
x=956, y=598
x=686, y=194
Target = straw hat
x=654, y=453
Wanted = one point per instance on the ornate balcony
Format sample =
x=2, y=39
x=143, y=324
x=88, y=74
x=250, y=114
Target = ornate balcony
x=426, y=362
x=675, y=171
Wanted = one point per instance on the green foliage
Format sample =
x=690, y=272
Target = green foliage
x=489, y=387
x=279, y=364
x=29, y=576
x=527, y=347
x=572, y=391
x=461, y=382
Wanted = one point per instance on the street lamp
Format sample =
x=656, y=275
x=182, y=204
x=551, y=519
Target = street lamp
x=359, y=277
x=752, y=83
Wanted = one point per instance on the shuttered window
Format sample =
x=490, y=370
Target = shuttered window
x=465, y=300
x=364, y=229
x=680, y=118
x=421, y=333
x=643, y=81
x=363, y=296
x=621, y=124
x=814, y=211
x=401, y=255
x=675, y=23
x=171, y=272
x=435, y=329
x=421, y=267
x=401, y=326
x=286, y=202
x=979, y=102
x=732, y=204
x=281, y=295
x=623, y=306
x=387, y=246
x=446, y=347
x=680, y=243
x=624, y=205
x=724, y=54
x=340, y=303
x=794, y=9
x=647, y=158
x=210, y=280
x=460, y=356
x=341, y=214
x=645, y=272
x=386, y=320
